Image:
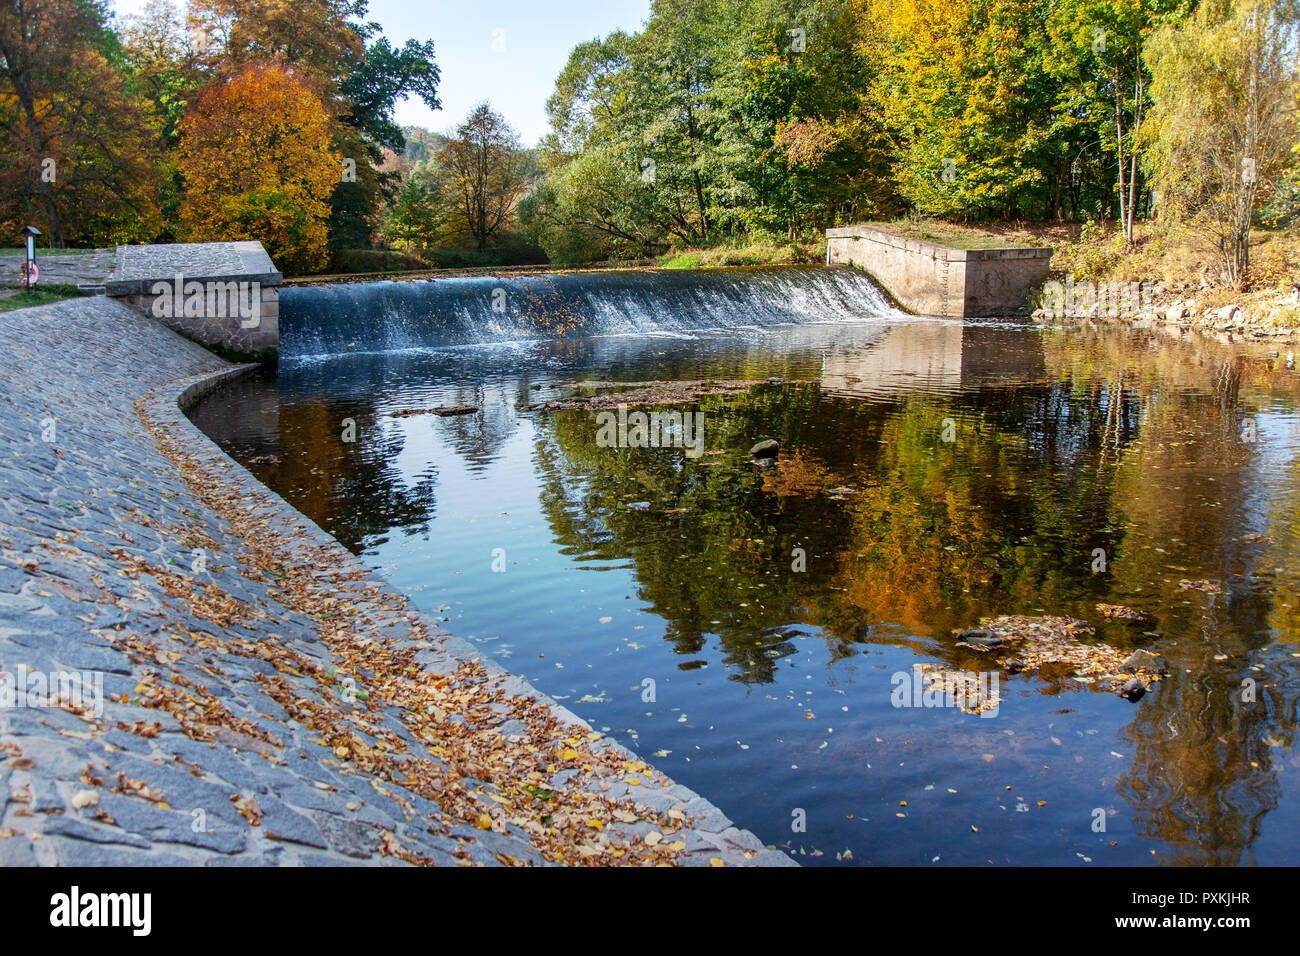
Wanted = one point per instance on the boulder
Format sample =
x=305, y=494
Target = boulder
x=980, y=638
x=765, y=449
x=1134, y=689
x=1141, y=660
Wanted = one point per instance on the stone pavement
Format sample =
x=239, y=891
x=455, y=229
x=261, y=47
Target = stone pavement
x=192, y=673
x=89, y=269
x=139, y=267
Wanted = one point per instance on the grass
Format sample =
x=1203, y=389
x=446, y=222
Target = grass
x=754, y=252
x=44, y=251
x=953, y=235
x=41, y=295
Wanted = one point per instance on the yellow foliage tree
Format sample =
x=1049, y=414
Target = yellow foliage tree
x=256, y=157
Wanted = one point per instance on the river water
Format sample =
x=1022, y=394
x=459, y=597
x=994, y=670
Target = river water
x=745, y=628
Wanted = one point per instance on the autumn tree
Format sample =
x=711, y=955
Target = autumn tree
x=167, y=60
x=1223, y=121
x=721, y=118
x=256, y=157
x=483, y=170
x=963, y=93
x=1094, y=57
x=80, y=145
x=357, y=73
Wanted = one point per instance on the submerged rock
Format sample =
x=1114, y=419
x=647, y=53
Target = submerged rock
x=1209, y=587
x=1141, y=660
x=980, y=638
x=1119, y=612
x=765, y=449
x=593, y=395
x=444, y=411
x=1133, y=689
x=1042, y=641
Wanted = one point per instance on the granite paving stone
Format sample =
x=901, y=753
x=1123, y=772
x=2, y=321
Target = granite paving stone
x=218, y=736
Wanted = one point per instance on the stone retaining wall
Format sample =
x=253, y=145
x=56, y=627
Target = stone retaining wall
x=223, y=321
x=216, y=293
x=930, y=279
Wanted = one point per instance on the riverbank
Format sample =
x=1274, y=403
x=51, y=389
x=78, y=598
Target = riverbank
x=237, y=688
x=1178, y=275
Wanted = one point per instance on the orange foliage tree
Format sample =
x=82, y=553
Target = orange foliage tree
x=255, y=154
x=79, y=147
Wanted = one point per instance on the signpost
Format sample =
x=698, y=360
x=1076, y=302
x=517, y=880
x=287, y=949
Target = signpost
x=30, y=273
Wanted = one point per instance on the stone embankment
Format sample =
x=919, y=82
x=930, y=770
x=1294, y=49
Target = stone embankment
x=1190, y=308
x=192, y=673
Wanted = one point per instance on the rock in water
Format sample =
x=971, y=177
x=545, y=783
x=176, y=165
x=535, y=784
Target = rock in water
x=981, y=638
x=1143, y=661
x=765, y=449
x=1119, y=612
x=1133, y=689
x=1014, y=665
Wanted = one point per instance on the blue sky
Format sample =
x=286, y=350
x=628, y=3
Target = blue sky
x=518, y=75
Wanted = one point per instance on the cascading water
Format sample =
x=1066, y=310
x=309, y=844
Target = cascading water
x=384, y=316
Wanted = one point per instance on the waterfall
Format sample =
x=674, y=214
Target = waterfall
x=392, y=315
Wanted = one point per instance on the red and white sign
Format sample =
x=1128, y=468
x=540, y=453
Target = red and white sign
x=30, y=272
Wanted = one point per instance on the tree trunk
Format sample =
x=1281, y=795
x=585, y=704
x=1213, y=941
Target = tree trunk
x=699, y=201
x=1133, y=166
x=1119, y=152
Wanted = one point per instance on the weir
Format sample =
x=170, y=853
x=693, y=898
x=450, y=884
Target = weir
x=387, y=316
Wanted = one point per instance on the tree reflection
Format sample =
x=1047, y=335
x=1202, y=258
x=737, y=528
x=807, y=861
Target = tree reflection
x=985, y=477
x=1121, y=447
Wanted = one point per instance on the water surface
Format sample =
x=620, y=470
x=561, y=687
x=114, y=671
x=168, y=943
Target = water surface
x=770, y=608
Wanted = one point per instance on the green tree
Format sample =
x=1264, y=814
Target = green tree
x=1223, y=120
x=483, y=172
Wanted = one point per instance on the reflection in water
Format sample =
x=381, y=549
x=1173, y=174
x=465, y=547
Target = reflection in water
x=931, y=473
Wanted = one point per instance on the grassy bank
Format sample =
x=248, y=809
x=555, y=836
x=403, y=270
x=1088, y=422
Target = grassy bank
x=753, y=252
x=42, y=295
x=43, y=251
x=958, y=236
x=1179, y=271
x=1185, y=275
